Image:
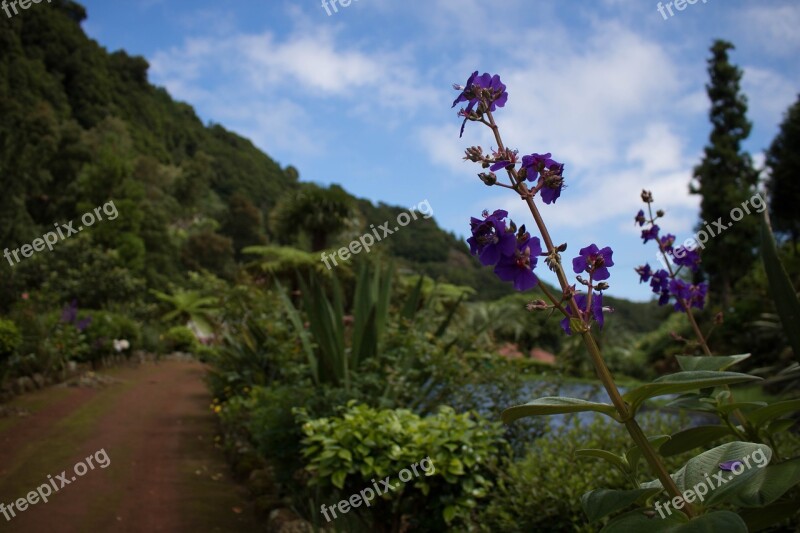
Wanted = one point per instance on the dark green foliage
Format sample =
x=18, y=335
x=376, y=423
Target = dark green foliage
x=10, y=339
x=725, y=178
x=783, y=184
x=180, y=339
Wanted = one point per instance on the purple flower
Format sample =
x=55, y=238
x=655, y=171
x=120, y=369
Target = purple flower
x=644, y=272
x=640, y=218
x=731, y=466
x=70, y=312
x=685, y=257
x=550, y=173
x=503, y=160
x=83, y=324
x=667, y=241
x=472, y=93
x=692, y=295
x=650, y=234
x=490, y=240
x=659, y=283
x=594, y=261
x=596, y=312
x=518, y=267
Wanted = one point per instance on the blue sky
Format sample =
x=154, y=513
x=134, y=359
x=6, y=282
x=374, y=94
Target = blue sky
x=362, y=97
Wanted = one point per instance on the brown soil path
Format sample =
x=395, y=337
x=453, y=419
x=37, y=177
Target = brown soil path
x=164, y=473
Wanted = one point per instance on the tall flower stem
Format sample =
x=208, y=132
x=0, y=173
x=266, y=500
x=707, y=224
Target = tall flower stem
x=603, y=373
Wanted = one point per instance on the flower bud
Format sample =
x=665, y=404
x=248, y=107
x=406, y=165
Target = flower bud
x=488, y=178
x=647, y=196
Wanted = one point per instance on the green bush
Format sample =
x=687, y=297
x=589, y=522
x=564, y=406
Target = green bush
x=180, y=339
x=10, y=339
x=105, y=327
x=542, y=491
x=347, y=451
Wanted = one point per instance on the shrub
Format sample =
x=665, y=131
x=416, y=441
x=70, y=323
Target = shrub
x=10, y=339
x=347, y=451
x=542, y=491
x=105, y=327
x=180, y=339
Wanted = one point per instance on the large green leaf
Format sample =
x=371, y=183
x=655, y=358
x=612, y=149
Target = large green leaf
x=768, y=484
x=719, y=485
x=709, y=362
x=691, y=438
x=775, y=410
x=556, y=405
x=761, y=518
x=605, y=455
x=637, y=521
x=780, y=286
x=684, y=382
x=602, y=502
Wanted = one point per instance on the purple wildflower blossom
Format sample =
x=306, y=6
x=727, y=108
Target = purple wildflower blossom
x=490, y=240
x=550, y=174
x=518, y=267
x=640, y=218
x=596, y=311
x=594, y=261
x=644, y=272
x=730, y=466
x=652, y=233
x=685, y=257
x=83, y=324
x=70, y=312
x=471, y=93
x=667, y=241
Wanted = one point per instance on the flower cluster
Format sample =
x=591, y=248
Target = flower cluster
x=514, y=253
x=513, y=256
x=665, y=281
x=69, y=315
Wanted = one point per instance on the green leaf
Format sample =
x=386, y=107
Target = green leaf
x=556, y=405
x=780, y=286
x=449, y=513
x=612, y=458
x=637, y=521
x=691, y=438
x=743, y=406
x=602, y=502
x=338, y=478
x=709, y=362
x=768, y=484
x=779, y=426
x=758, y=519
x=775, y=410
x=704, y=470
x=684, y=382
x=645, y=520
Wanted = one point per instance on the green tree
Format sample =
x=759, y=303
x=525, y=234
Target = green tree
x=319, y=212
x=726, y=178
x=783, y=185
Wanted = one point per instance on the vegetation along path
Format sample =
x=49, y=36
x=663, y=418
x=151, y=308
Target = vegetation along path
x=162, y=471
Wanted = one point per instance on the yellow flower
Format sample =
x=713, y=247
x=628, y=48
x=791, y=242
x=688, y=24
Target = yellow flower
x=217, y=409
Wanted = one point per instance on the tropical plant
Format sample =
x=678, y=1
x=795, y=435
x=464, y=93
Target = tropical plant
x=514, y=253
x=190, y=306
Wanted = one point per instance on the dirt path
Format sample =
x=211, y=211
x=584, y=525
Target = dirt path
x=160, y=470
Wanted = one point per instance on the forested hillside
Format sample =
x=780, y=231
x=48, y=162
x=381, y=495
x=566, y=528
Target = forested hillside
x=80, y=127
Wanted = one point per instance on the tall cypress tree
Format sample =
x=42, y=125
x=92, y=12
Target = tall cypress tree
x=783, y=185
x=726, y=178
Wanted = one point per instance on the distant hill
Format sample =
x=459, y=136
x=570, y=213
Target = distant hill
x=80, y=126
